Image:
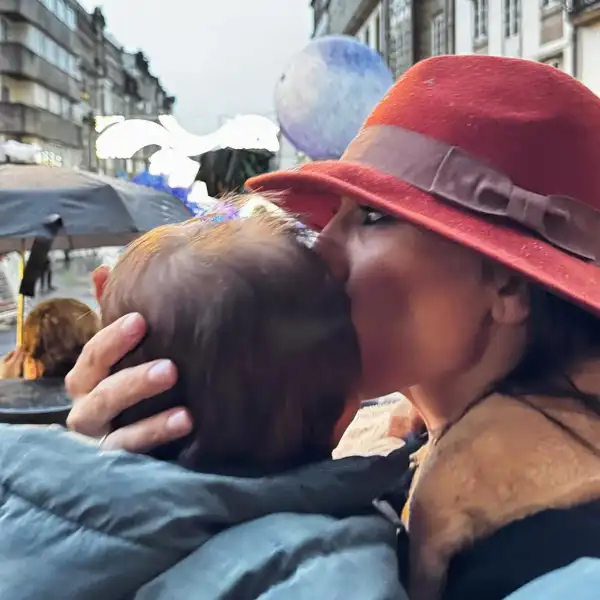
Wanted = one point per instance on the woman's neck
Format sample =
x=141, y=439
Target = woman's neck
x=444, y=401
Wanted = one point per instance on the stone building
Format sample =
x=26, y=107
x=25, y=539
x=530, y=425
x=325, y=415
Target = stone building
x=543, y=31
x=403, y=31
x=115, y=84
x=538, y=30
x=63, y=77
x=39, y=77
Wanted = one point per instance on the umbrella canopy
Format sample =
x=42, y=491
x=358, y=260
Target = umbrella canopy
x=96, y=210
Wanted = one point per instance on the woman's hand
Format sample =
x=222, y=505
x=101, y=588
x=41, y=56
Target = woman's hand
x=12, y=364
x=99, y=397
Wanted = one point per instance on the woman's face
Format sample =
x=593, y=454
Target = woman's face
x=420, y=304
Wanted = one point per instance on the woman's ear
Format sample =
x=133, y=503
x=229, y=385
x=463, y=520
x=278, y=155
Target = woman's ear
x=510, y=305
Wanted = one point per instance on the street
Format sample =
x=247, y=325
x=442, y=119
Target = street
x=72, y=282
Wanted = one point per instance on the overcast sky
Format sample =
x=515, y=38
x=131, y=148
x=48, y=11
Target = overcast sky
x=219, y=57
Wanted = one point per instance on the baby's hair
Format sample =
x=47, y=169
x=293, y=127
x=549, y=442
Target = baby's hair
x=260, y=332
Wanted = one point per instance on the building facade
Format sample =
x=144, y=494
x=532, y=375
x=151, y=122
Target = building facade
x=39, y=77
x=537, y=30
x=62, y=74
x=321, y=21
x=584, y=16
x=403, y=31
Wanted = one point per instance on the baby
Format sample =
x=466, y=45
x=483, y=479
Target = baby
x=260, y=332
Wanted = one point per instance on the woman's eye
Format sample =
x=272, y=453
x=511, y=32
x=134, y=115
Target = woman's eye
x=374, y=217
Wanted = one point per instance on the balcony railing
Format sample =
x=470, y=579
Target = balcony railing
x=33, y=11
x=22, y=120
x=18, y=61
x=578, y=7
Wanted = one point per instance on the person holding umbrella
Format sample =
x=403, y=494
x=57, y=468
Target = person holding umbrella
x=46, y=276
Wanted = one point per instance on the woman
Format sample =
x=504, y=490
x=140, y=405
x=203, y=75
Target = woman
x=464, y=219
x=32, y=389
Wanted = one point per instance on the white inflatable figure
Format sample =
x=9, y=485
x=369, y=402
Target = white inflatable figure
x=178, y=146
x=199, y=197
x=180, y=170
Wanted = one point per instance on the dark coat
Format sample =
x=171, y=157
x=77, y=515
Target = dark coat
x=523, y=551
x=509, y=493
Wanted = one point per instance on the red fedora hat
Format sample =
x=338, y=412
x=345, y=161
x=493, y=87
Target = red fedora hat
x=501, y=155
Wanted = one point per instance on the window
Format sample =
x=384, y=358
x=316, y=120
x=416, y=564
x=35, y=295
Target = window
x=512, y=17
x=480, y=20
x=378, y=33
x=5, y=94
x=35, y=41
x=40, y=96
x=400, y=35
x=63, y=59
x=54, y=103
x=61, y=10
x=3, y=30
x=49, y=50
x=65, y=109
x=438, y=35
x=71, y=19
x=367, y=35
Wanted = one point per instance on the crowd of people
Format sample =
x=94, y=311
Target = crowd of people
x=457, y=264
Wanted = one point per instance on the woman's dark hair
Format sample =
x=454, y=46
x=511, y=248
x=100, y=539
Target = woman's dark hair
x=259, y=330
x=560, y=336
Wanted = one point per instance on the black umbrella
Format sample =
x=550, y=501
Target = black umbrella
x=95, y=210
x=68, y=209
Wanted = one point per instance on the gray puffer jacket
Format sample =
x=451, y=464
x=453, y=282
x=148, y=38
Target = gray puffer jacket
x=76, y=524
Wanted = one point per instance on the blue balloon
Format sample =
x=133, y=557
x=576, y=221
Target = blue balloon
x=327, y=92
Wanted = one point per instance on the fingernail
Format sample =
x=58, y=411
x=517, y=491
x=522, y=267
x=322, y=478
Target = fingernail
x=162, y=370
x=130, y=323
x=180, y=422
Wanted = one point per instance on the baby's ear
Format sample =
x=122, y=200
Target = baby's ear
x=99, y=279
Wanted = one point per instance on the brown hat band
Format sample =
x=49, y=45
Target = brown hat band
x=452, y=175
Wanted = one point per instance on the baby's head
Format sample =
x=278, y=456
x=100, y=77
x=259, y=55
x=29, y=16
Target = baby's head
x=261, y=335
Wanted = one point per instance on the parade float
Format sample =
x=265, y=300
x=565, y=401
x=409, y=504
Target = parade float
x=199, y=170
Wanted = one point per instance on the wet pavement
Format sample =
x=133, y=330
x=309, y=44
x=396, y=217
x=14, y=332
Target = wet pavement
x=70, y=281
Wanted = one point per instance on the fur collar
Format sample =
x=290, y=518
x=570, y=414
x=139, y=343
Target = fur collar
x=501, y=462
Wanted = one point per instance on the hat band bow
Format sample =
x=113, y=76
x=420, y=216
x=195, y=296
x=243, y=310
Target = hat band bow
x=455, y=176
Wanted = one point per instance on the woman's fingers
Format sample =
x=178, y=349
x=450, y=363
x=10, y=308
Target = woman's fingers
x=149, y=433
x=102, y=352
x=99, y=397
x=94, y=411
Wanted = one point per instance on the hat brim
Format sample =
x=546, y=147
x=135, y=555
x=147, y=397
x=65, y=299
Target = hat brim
x=314, y=191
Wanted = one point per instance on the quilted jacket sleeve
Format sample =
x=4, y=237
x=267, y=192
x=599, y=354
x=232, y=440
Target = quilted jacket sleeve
x=289, y=557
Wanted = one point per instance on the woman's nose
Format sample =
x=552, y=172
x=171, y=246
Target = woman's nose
x=334, y=253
